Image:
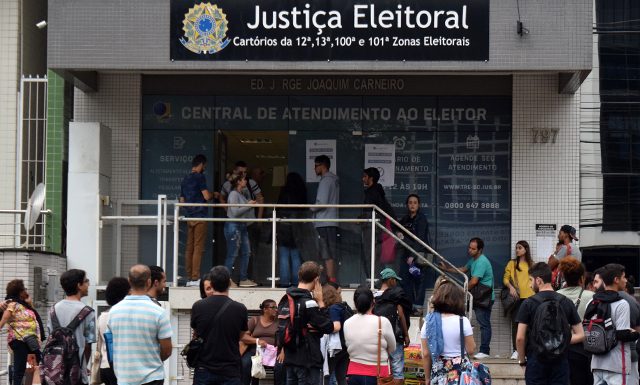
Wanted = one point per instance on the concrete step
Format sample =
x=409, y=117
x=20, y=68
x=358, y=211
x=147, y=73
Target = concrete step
x=504, y=369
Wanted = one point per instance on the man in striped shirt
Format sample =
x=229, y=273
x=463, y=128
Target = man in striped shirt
x=141, y=334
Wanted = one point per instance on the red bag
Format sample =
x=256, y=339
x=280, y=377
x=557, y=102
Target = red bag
x=388, y=250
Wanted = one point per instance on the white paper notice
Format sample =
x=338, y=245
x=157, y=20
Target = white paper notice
x=546, y=240
x=320, y=147
x=382, y=157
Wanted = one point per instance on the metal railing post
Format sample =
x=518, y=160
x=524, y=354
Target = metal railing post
x=273, y=248
x=373, y=247
x=159, y=233
x=164, y=232
x=119, y=239
x=176, y=228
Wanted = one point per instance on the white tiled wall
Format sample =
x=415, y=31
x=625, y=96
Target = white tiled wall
x=9, y=55
x=117, y=105
x=545, y=177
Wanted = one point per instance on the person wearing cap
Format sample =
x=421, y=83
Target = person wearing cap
x=392, y=302
x=566, y=236
x=373, y=195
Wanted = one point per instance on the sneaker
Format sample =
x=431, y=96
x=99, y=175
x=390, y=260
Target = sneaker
x=233, y=284
x=247, y=283
x=514, y=356
x=193, y=283
x=481, y=356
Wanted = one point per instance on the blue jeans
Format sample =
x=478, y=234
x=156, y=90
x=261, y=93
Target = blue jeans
x=361, y=380
x=542, y=373
x=289, y=258
x=397, y=361
x=484, y=320
x=204, y=376
x=237, y=238
x=299, y=375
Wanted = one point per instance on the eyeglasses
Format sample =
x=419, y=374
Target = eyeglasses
x=272, y=307
x=86, y=280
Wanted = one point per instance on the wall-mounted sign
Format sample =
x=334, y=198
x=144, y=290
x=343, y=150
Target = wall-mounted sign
x=382, y=157
x=316, y=148
x=286, y=30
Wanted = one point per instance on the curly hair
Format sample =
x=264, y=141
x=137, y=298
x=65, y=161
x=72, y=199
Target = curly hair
x=15, y=287
x=572, y=270
x=330, y=295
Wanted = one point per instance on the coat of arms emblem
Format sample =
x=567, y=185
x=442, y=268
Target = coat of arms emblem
x=205, y=29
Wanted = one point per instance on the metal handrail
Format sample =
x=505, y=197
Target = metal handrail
x=274, y=219
x=465, y=286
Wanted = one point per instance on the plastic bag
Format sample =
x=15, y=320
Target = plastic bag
x=269, y=356
x=257, y=369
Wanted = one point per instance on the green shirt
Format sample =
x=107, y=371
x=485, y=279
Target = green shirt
x=481, y=269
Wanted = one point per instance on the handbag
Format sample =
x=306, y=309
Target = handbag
x=257, y=369
x=388, y=249
x=94, y=376
x=192, y=350
x=509, y=300
x=471, y=373
x=481, y=295
x=386, y=380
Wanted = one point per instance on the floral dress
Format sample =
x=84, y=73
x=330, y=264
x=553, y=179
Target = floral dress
x=23, y=323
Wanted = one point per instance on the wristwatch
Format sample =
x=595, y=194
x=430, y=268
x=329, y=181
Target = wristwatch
x=522, y=363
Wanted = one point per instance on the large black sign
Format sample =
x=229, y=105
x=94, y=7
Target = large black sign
x=281, y=30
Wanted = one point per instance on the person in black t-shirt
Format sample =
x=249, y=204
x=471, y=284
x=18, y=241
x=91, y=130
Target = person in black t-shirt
x=219, y=362
x=538, y=372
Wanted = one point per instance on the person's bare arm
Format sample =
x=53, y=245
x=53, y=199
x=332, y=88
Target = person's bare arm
x=426, y=356
x=469, y=344
x=521, y=340
x=165, y=348
x=336, y=326
x=577, y=334
x=403, y=322
x=473, y=282
x=451, y=269
x=5, y=317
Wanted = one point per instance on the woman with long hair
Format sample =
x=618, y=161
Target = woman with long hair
x=206, y=288
x=117, y=289
x=440, y=337
x=361, y=338
x=236, y=233
x=262, y=330
x=579, y=360
x=293, y=192
x=26, y=332
x=414, y=269
x=516, y=280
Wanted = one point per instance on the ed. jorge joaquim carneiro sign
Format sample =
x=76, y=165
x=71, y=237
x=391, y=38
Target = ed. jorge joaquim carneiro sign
x=281, y=30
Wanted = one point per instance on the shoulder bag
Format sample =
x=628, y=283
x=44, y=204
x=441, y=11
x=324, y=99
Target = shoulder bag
x=509, y=300
x=471, y=373
x=386, y=380
x=481, y=296
x=192, y=350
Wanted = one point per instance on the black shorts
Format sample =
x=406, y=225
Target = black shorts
x=327, y=242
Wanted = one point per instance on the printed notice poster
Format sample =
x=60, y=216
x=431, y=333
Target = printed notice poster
x=546, y=240
x=382, y=157
x=320, y=147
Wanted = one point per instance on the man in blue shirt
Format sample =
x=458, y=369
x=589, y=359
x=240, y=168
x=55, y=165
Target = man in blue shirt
x=479, y=269
x=194, y=190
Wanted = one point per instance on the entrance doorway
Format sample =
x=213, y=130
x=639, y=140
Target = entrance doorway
x=266, y=154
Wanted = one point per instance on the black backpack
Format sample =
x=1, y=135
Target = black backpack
x=291, y=328
x=599, y=328
x=550, y=333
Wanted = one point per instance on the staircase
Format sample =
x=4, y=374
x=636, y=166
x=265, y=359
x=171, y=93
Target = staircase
x=505, y=371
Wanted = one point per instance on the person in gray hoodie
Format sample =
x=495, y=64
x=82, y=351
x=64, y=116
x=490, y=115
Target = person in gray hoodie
x=328, y=193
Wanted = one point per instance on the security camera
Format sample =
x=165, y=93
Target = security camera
x=41, y=24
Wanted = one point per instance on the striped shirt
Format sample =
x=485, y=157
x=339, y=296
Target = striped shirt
x=137, y=325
